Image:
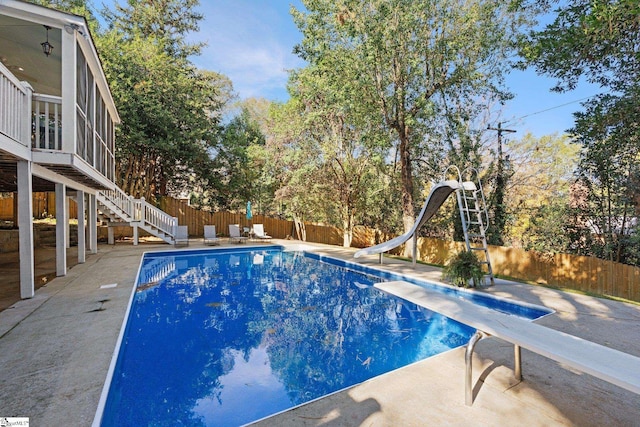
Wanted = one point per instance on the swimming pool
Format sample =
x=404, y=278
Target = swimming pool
x=227, y=336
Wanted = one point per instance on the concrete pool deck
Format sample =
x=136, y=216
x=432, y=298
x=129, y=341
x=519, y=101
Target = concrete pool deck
x=55, y=350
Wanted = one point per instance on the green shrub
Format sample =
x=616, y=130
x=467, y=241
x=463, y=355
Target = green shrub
x=464, y=269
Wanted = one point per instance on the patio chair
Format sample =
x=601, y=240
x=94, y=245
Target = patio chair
x=181, y=237
x=234, y=234
x=258, y=232
x=210, y=235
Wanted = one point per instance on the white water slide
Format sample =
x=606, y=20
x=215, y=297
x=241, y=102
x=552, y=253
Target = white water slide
x=436, y=198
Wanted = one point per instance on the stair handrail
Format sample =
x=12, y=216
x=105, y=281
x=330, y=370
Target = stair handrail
x=140, y=211
x=121, y=200
x=455, y=170
x=151, y=215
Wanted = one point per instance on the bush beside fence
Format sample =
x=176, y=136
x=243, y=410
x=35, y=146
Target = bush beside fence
x=581, y=273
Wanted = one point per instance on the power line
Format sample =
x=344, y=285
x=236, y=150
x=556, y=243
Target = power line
x=549, y=109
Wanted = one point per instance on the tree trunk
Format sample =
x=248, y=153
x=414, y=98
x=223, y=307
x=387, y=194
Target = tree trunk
x=406, y=174
x=347, y=227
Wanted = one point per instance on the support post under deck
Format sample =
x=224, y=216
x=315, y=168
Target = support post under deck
x=25, y=228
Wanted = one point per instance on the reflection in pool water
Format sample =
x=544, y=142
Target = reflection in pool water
x=224, y=338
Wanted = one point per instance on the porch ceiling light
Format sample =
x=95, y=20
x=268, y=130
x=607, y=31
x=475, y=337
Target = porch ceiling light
x=46, y=46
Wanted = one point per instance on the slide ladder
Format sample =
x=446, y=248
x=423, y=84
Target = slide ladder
x=473, y=214
x=475, y=221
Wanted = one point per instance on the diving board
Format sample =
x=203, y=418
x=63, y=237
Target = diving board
x=436, y=198
x=616, y=367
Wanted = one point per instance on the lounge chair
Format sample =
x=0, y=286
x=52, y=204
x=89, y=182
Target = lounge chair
x=181, y=237
x=210, y=235
x=258, y=232
x=234, y=234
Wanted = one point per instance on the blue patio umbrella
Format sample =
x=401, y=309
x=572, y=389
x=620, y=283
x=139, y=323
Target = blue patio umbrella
x=249, y=214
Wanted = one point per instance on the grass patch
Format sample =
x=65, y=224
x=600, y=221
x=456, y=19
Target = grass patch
x=401, y=258
x=569, y=290
x=530, y=282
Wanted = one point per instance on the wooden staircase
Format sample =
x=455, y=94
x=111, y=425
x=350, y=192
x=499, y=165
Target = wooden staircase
x=116, y=208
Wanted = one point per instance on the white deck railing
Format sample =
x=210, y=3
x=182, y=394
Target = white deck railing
x=121, y=201
x=15, y=107
x=47, y=122
x=157, y=218
x=138, y=210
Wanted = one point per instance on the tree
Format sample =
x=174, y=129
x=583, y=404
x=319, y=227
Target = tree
x=610, y=169
x=339, y=142
x=598, y=41
x=168, y=107
x=411, y=56
x=538, y=195
x=77, y=7
x=235, y=173
x=167, y=20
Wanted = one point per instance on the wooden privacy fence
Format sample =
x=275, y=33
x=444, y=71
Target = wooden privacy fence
x=581, y=273
x=196, y=219
x=44, y=205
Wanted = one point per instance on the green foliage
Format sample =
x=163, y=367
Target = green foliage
x=610, y=135
x=464, y=268
x=594, y=39
x=169, y=21
x=548, y=227
x=538, y=194
x=236, y=168
x=168, y=107
x=598, y=41
x=333, y=145
x=413, y=63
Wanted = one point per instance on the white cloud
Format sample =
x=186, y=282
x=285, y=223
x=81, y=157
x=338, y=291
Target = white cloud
x=251, y=42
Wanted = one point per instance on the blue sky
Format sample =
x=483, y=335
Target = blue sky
x=251, y=42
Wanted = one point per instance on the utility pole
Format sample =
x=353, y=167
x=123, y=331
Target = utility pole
x=500, y=129
x=500, y=219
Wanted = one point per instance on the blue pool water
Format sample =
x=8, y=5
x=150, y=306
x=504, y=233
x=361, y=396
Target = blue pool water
x=225, y=337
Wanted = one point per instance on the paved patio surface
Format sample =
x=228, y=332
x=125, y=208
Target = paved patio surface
x=55, y=350
x=45, y=271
